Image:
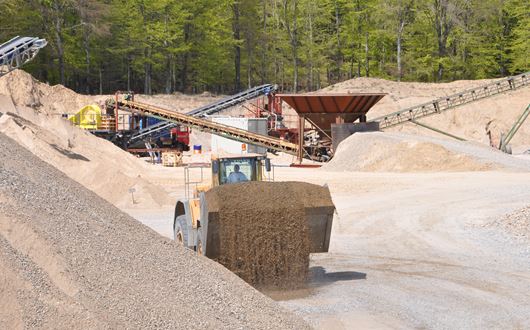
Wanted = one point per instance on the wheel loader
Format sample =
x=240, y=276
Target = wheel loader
x=197, y=224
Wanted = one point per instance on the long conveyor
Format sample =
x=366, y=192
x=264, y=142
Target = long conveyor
x=452, y=101
x=204, y=125
x=159, y=129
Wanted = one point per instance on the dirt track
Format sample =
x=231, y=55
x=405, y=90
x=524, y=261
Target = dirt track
x=409, y=250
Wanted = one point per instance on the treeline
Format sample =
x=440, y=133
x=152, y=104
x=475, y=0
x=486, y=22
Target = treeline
x=162, y=46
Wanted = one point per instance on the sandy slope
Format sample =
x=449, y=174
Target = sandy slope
x=399, y=152
x=69, y=259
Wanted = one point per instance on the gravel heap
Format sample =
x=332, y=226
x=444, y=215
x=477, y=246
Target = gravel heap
x=69, y=259
x=398, y=152
x=262, y=230
x=516, y=223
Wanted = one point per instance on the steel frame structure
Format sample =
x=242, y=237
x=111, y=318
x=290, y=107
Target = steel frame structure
x=19, y=51
x=158, y=129
x=449, y=102
x=204, y=125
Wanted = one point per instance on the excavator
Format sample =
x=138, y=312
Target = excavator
x=196, y=224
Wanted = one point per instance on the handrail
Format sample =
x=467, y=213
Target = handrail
x=452, y=101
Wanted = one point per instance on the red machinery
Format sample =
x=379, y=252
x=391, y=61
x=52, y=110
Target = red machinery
x=316, y=115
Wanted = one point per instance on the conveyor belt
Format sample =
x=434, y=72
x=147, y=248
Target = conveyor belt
x=157, y=130
x=449, y=102
x=204, y=125
x=18, y=51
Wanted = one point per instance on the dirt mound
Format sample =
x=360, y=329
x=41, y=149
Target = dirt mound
x=26, y=91
x=69, y=259
x=475, y=121
x=397, y=152
x=95, y=163
x=263, y=232
x=516, y=223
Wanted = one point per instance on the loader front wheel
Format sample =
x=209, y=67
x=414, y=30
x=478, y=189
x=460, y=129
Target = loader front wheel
x=181, y=230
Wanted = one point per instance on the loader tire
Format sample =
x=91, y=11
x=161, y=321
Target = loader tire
x=181, y=231
x=198, y=243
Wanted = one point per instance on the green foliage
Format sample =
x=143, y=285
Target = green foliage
x=157, y=46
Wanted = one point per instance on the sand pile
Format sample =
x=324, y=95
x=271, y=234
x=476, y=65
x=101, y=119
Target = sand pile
x=475, y=121
x=95, y=163
x=69, y=259
x=398, y=152
x=26, y=91
x=263, y=232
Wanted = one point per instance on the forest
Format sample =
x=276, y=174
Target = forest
x=223, y=46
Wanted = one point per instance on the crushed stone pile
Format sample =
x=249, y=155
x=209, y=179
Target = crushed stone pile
x=263, y=232
x=69, y=259
x=516, y=223
x=398, y=152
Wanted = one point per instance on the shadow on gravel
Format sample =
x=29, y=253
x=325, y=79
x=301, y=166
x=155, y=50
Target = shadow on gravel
x=319, y=276
x=69, y=154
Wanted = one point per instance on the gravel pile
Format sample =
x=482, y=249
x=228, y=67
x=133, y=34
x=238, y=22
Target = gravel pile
x=69, y=259
x=398, y=152
x=516, y=223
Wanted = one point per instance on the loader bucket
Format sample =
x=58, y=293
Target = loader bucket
x=319, y=220
x=264, y=231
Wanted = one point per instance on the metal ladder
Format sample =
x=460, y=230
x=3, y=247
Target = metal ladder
x=159, y=129
x=452, y=101
x=19, y=51
x=207, y=126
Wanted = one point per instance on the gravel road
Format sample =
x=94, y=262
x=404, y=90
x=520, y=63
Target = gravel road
x=413, y=251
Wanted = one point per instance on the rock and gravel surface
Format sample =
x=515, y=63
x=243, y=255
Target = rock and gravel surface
x=70, y=260
x=516, y=223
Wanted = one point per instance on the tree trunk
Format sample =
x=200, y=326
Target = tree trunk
x=236, y=29
x=293, y=36
x=443, y=26
x=366, y=51
x=147, y=71
x=129, y=60
x=339, y=49
x=311, y=46
x=184, y=69
x=58, y=40
x=399, y=37
x=249, y=62
x=100, y=81
x=264, y=45
x=86, y=44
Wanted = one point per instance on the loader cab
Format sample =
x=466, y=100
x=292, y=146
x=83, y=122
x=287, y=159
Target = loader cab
x=248, y=167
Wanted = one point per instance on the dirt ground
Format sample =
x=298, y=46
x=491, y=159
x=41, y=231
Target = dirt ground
x=411, y=250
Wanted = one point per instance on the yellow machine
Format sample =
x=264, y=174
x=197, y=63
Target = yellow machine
x=195, y=224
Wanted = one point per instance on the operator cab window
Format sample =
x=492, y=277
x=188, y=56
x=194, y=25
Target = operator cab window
x=238, y=170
